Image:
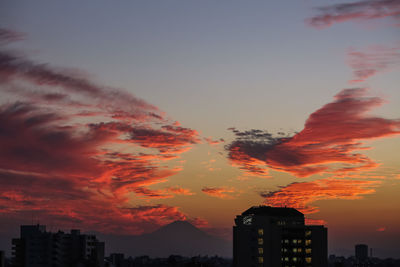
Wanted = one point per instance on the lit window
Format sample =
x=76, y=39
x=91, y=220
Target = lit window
x=286, y=258
x=260, y=259
x=286, y=241
x=308, y=259
x=260, y=250
x=308, y=250
x=299, y=241
x=308, y=242
x=261, y=231
x=294, y=241
x=294, y=259
x=294, y=250
x=260, y=241
x=308, y=233
x=285, y=249
x=299, y=249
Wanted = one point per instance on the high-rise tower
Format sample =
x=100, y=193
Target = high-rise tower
x=275, y=237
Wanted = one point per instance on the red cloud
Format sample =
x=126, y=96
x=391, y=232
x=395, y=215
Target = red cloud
x=159, y=212
x=301, y=195
x=361, y=10
x=331, y=134
x=148, y=193
x=372, y=61
x=60, y=158
x=168, y=139
x=66, y=202
x=218, y=192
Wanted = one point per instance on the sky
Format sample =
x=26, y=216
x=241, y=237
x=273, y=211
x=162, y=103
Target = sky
x=123, y=117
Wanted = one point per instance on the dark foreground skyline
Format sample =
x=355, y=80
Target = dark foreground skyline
x=124, y=243
x=174, y=234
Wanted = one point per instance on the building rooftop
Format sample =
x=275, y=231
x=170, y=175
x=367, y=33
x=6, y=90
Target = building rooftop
x=273, y=211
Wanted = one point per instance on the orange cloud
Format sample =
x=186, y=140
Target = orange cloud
x=219, y=192
x=169, y=192
x=302, y=195
x=210, y=141
x=331, y=134
x=179, y=191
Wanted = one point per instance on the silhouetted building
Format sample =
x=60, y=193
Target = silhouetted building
x=36, y=247
x=119, y=260
x=275, y=237
x=361, y=251
x=2, y=258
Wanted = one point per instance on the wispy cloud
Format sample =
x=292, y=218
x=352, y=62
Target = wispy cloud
x=168, y=192
x=179, y=191
x=219, y=192
x=328, y=142
x=168, y=139
x=9, y=36
x=60, y=151
x=361, y=10
x=211, y=141
x=371, y=61
x=301, y=195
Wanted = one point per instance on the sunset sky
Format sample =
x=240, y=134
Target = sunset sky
x=120, y=117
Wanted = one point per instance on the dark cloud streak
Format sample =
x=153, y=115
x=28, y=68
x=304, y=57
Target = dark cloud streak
x=361, y=10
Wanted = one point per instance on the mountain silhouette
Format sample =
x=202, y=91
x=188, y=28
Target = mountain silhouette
x=179, y=238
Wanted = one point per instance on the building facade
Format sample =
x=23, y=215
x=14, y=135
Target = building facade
x=37, y=247
x=277, y=237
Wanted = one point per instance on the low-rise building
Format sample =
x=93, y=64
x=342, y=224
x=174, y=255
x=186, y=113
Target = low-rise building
x=37, y=247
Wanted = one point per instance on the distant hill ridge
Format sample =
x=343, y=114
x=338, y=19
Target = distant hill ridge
x=179, y=237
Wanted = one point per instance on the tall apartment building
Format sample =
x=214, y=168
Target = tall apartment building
x=278, y=237
x=37, y=247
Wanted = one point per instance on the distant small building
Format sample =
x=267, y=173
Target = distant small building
x=36, y=247
x=275, y=237
x=119, y=260
x=361, y=252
